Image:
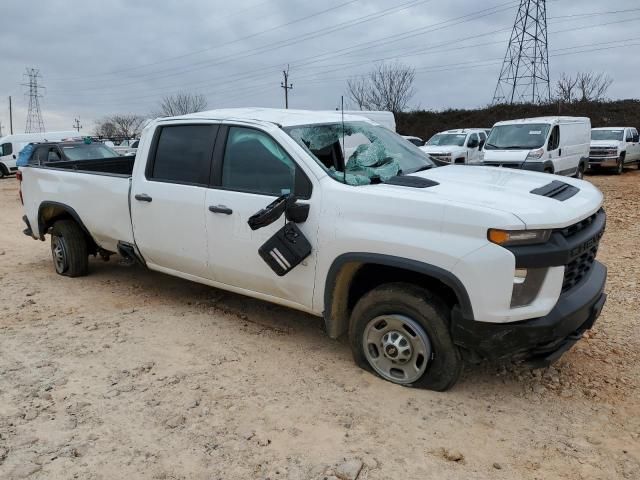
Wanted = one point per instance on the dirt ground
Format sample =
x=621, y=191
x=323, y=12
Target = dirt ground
x=133, y=374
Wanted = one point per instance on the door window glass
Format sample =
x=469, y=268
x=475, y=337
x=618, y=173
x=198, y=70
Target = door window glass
x=183, y=154
x=254, y=162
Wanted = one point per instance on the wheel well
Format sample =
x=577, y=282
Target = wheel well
x=50, y=213
x=4, y=168
x=355, y=279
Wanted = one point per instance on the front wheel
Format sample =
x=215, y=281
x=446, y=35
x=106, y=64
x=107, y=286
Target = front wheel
x=400, y=332
x=69, y=249
x=620, y=166
x=580, y=173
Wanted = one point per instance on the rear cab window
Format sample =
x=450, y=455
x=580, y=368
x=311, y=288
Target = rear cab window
x=183, y=154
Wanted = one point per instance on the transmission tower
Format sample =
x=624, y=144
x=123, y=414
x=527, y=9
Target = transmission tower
x=34, y=117
x=525, y=71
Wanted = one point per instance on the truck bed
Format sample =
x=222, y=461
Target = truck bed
x=96, y=190
x=111, y=166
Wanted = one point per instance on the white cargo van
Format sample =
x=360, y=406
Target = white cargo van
x=11, y=145
x=557, y=145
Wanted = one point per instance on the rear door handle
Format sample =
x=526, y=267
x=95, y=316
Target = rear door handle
x=143, y=197
x=220, y=209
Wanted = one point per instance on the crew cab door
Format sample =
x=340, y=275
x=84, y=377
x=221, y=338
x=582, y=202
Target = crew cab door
x=251, y=169
x=633, y=145
x=473, y=149
x=168, y=201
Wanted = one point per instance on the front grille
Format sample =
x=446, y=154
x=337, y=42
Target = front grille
x=582, y=261
x=601, y=152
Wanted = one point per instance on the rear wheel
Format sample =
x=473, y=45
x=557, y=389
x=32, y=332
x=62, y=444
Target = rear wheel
x=401, y=332
x=580, y=173
x=69, y=249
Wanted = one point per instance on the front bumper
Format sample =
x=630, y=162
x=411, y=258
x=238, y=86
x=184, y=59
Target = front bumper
x=532, y=166
x=603, y=161
x=540, y=341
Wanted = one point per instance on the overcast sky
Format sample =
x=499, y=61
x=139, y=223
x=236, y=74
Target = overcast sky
x=98, y=58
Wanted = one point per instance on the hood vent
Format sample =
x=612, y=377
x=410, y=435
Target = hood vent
x=409, y=181
x=557, y=190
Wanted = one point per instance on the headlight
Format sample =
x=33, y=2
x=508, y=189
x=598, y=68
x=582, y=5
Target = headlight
x=535, y=154
x=508, y=238
x=613, y=151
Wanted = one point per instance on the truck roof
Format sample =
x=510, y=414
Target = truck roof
x=552, y=120
x=282, y=117
x=464, y=130
x=610, y=128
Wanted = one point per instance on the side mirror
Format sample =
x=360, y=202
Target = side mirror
x=629, y=139
x=473, y=144
x=297, y=212
x=636, y=139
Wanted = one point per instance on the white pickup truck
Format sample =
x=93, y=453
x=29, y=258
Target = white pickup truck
x=614, y=147
x=422, y=267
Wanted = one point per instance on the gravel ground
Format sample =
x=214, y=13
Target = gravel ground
x=132, y=374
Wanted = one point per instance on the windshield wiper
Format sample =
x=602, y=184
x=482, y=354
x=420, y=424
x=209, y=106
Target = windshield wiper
x=491, y=145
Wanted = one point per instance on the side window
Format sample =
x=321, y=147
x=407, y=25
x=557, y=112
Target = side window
x=629, y=136
x=554, y=139
x=254, y=162
x=39, y=157
x=183, y=154
x=6, y=149
x=53, y=155
x=636, y=137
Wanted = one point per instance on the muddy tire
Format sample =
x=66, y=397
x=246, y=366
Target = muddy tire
x=620, y=165
x=580, y=173
x=69, y=249
x=401, y=332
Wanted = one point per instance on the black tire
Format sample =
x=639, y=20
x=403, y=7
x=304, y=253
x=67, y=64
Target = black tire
x=429, y=312
x=3, y=171
x=69, y=249
x=548, y=170
x=620, y=165
x=580, y=173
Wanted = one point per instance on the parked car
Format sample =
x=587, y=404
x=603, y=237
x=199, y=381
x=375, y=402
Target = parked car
x=557, y=145
x=422, y=267
x=53, y=153
x=11, y=145
x=417, y=141
x=127, y=147
x=614, y=147
x=461, y=146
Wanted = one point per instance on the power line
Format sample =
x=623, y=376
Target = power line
x=35, y=124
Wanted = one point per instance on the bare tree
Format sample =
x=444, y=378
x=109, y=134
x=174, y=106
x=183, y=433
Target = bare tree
x=387, y=87
x=593, y=87
x=127, y=126
x=565, y=88
x=182, y=104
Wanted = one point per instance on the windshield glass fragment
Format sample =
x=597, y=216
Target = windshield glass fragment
x=372, y=153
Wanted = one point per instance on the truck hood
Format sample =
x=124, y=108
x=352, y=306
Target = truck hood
x=506, y=156
x=447, y=149
x=510, y=191
x=606, y=143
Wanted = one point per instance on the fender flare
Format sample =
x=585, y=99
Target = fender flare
x=363, y=258
x=42, y=227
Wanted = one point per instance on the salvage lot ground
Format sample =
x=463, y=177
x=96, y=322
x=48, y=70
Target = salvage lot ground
x=132, y=374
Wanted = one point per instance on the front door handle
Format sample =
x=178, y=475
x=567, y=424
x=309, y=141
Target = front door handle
x=220, y=209
x=143, y=197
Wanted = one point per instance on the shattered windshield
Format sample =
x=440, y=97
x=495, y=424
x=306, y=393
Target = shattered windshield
x=442, y=139
x=607, y=135
x=372, y=153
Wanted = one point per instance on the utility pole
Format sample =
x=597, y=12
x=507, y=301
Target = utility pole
x=287, y=86
x=525, y=71
x=35, y=124
x=1, y=130
x=10, y=117
x=76, y=124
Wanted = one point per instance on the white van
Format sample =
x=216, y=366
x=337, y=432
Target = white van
x=557, y=145
x=11, y=145
x=383, y=118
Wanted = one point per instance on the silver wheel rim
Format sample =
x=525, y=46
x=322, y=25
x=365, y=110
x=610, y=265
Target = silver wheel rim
x=59, y=254
x=397, y=348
